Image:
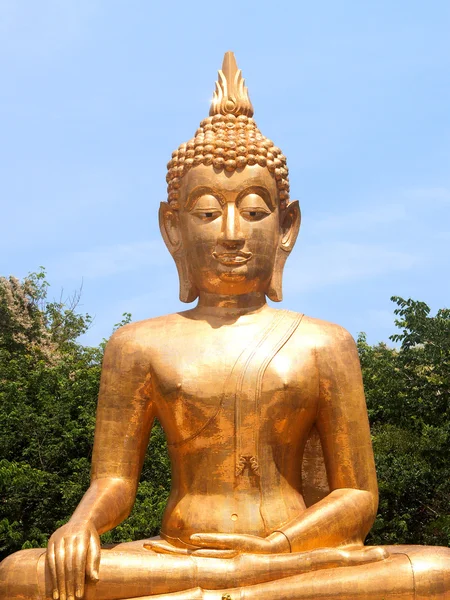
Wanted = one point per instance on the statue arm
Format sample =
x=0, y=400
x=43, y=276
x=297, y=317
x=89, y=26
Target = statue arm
x=125, y=415
x=346, y=514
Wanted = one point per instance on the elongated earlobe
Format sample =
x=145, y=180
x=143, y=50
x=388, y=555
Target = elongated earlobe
x=170, y=231
x=289, y=228
x=188, y=291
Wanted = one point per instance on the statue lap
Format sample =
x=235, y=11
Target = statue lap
x=421, y=572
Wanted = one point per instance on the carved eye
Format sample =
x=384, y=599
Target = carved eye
x=254, y=214
x=207, y=215
x=253, y=207
x=206, y=208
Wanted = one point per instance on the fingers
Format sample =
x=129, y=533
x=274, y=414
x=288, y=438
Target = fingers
x=214, y=540
x=164, y=548
x=60, y=558
x=93, y=557
x=60, y=555
x=67, y=561
x=51, y=560
x=362, y=555
x=376, y=553
x=213, y=553
x=79, y=568
x=231, y=541
x=346, y=557
x=68, y=564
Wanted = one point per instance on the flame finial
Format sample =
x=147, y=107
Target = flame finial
x=231, y=94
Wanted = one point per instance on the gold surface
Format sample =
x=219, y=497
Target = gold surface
x=273, y=479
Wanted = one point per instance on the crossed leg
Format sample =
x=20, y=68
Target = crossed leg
x=129, y=572
x=410, y=573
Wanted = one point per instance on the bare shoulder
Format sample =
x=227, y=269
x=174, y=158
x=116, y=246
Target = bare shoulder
x=145, y=335
x=337, y=363
x=324, y=335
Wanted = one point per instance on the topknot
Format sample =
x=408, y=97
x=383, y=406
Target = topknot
x=229, y=138
x=231, y=94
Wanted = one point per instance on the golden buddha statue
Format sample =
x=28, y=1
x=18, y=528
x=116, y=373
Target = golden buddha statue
x=273, y=478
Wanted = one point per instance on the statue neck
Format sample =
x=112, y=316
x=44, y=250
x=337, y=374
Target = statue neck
x=229, y=306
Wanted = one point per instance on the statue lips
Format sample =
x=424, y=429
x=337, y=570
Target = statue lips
x=233, y=259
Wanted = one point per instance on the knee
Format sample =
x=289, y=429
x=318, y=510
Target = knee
x=18, y=575
x=431, y=568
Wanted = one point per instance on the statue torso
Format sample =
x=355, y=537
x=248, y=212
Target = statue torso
x=247, y=389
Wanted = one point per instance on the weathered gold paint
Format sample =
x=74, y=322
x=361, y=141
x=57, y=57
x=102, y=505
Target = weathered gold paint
x=273, y=479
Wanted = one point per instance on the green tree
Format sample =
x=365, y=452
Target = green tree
x=48, y=394
x=407, y=390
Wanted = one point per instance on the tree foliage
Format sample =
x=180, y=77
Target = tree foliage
x=48, y=392
x=408, y=393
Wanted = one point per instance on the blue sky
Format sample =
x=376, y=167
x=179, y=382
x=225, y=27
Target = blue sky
x=95, y=95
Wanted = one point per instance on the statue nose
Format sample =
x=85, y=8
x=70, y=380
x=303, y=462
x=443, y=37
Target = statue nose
x=231, y=235
x=232, y=244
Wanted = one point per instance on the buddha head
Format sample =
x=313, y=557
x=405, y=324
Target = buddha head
x=228, y=222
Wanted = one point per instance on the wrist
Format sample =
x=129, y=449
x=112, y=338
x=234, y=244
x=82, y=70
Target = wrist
x=279, y=542
x=81, y=521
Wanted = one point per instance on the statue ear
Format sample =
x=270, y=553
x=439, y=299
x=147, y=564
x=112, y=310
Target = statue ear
x=289, y=228
x=169, y=225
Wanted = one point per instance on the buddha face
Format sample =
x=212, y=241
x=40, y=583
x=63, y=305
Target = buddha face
x=229, y=230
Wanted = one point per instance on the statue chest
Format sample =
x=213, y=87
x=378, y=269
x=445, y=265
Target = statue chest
x=237, y=397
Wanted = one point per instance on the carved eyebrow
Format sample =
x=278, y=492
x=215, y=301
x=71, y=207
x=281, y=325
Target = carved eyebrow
x=256, y=189
x=199, y=191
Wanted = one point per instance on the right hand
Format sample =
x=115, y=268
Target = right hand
x=73, y=553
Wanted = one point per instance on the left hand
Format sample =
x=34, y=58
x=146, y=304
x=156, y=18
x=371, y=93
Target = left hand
x=252, y=544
